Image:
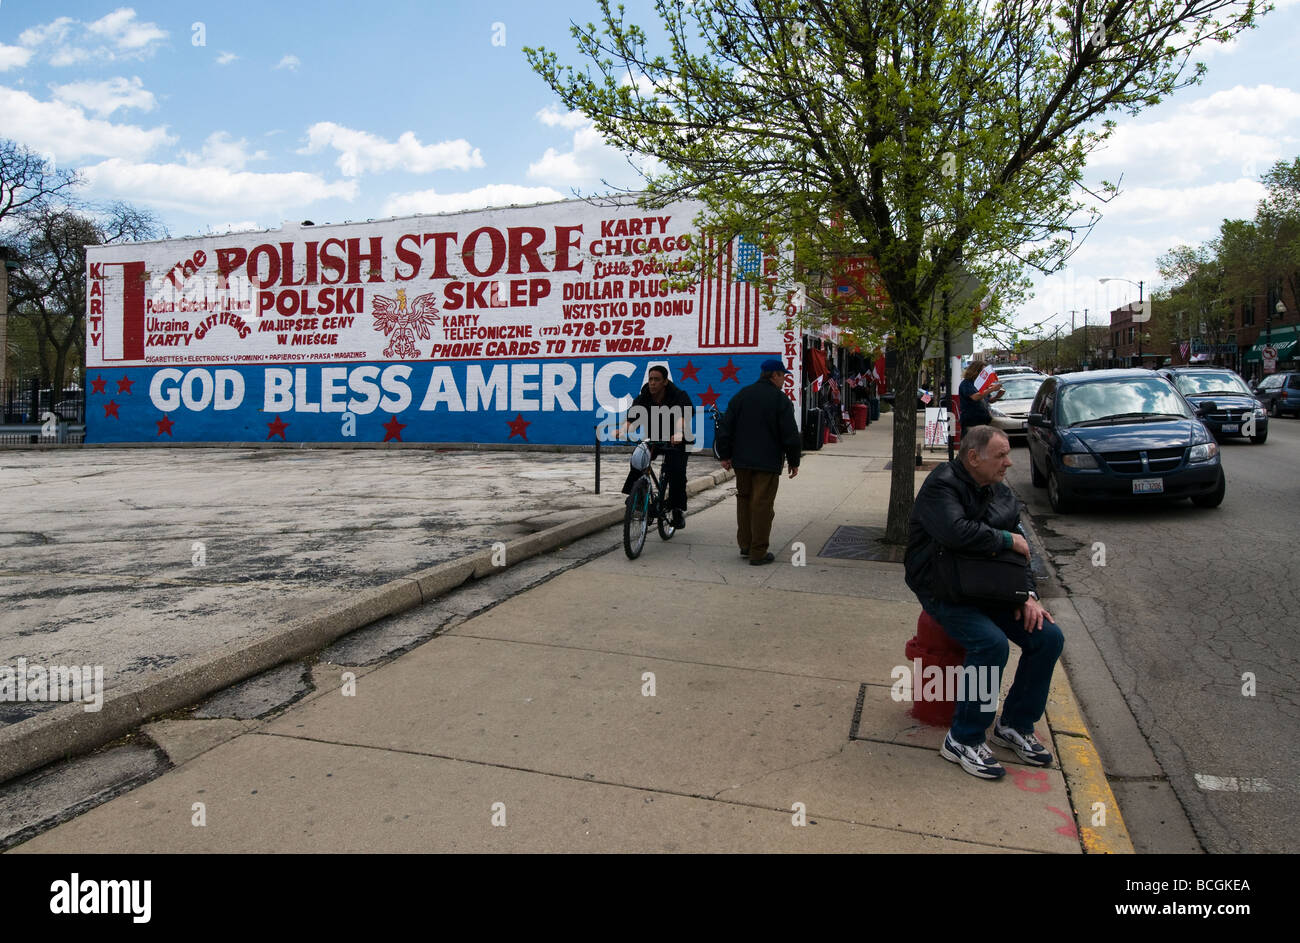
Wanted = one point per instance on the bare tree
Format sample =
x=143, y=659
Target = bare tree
x=27, y=179
x=49, y=287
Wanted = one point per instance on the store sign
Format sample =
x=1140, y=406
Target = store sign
x=492, y=326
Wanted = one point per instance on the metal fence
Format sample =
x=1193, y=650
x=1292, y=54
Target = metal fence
x=34, y=415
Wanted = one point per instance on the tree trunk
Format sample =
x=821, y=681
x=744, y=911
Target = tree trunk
x=902, y=480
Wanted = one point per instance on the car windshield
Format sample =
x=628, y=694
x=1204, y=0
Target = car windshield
x=1135, y=399
x=1199, y=384
x=1021, y=387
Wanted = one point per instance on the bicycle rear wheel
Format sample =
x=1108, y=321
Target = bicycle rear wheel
x=636, y=519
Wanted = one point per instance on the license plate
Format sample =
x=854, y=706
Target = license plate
x=1148, y=486
x=1232, y=428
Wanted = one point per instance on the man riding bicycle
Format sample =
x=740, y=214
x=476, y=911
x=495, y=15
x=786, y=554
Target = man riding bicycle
x=664, y=411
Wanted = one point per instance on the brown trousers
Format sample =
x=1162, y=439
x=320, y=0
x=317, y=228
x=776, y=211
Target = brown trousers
x=755, y=508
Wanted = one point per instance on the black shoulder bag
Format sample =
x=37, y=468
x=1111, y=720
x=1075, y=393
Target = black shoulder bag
x=975, y=578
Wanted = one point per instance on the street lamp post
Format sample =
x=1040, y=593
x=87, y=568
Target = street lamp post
x=1140, y=285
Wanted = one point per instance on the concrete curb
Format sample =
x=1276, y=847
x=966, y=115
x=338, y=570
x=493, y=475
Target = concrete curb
x=69, y=729
x=1081, y=765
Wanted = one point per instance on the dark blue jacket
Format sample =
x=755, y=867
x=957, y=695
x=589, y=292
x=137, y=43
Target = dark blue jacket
x=758, y=429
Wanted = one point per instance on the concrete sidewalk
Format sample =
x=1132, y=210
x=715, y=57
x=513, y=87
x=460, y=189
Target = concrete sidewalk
x=684, y=701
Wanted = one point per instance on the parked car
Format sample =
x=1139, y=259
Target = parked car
x=1011, y=413
x=1012, y=369
x=1120, y=435
x=1234, y=412
x=1280, y=393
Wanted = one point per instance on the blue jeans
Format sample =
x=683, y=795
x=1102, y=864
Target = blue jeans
x=984, y=632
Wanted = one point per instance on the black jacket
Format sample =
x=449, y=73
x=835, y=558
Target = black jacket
x=758, y=429
x=681, y=420
x=959, y=513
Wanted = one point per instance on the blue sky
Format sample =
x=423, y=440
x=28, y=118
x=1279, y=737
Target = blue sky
x=243, y=115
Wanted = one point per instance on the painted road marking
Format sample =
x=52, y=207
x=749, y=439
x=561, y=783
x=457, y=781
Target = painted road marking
x=1232, y=783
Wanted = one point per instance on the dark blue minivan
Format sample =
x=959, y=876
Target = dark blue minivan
x=1120, y=435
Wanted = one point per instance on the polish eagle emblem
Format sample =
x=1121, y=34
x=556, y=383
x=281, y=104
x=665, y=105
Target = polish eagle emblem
x=395, y=318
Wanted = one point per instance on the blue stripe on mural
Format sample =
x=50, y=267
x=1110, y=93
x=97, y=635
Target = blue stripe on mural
x=551, y=402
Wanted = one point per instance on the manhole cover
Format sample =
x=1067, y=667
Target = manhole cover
x=861, y=543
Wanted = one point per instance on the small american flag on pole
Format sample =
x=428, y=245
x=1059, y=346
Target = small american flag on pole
x=728, y=299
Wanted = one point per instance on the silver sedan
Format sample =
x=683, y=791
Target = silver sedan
x=1011, y=413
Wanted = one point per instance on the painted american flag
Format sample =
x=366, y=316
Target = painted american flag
x=729, y=299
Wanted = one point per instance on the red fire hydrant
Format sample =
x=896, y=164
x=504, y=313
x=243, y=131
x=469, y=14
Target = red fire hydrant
x=932, y=646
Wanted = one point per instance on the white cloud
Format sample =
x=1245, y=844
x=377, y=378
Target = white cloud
x=204, y=190
x=551, y=116
x=104, y=98
x=289, y=61
x=496, y=194
x=13, y=57
x=1231, y=199
x=590, y=160
x=361, y=152
x=123, y=30
x=1219, y=131
x=55, y=31
x=226, y=58
x=118, y=35
x=219, y=150
x=64, y=131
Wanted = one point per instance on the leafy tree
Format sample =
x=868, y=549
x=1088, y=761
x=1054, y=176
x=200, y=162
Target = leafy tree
x=1262, y=256
x=49, y=288
x=1194, y=304
x=923, y=134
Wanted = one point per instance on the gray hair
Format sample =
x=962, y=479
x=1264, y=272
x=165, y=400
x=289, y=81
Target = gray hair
x=977, y=440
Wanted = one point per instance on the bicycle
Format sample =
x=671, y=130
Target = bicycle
x=648, y=501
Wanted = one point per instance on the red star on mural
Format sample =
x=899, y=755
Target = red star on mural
x=165, y=425
x=124, y=385
x=519, y=427
x=708, y=397
x=729, y=372
x=110, y=409
x=277, y=428
x=393, y=429
x=690, y=373
x=97, y=385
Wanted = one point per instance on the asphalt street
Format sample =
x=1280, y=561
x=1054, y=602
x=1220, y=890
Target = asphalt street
x=1194, y=613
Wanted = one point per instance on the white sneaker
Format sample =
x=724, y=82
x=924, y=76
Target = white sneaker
x=1026, y=745
x=978, y=761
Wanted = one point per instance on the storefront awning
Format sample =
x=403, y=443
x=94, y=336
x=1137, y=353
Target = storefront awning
x=1283, y=339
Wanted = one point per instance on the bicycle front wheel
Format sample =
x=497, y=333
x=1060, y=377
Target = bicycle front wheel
x=636, y=519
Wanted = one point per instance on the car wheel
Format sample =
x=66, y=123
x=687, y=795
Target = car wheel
x=1037, y=478
x=1274, y=411
x=1215, y=497
x=1060, y=503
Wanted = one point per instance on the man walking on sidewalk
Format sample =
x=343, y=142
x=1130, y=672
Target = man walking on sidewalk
x=965, y=506
x=757, y=434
